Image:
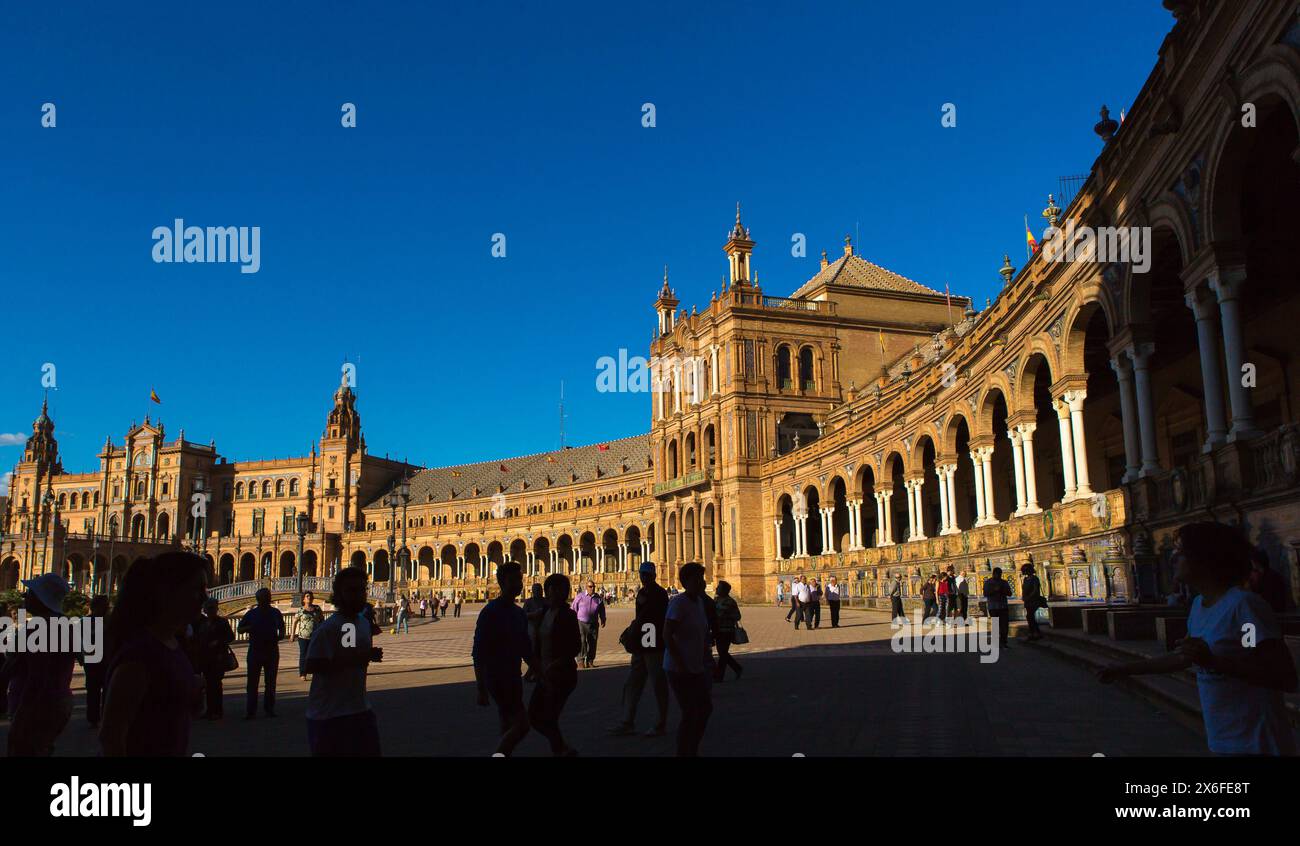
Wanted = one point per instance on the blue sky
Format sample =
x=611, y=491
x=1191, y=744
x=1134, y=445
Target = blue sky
x=511, y=118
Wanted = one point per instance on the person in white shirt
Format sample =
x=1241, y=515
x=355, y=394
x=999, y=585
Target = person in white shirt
x=801, y=593
x=833, y=601
x=1243, y=666
x=339, y=720
x=963, y=596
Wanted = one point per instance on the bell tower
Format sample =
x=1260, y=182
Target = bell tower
x=666, y=307
x=342, y=447
x=739, y=249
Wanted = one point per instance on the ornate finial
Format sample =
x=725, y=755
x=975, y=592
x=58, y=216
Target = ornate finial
x=1106, y=127
x=1007, y=270
x=1052, y=212
x=987, y=303
x=738, y=214
x=848, y=245
x=739, y=231
x=825, y=261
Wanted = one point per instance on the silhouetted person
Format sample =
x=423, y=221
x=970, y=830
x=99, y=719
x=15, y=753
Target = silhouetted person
x=94, y=670
x=644, y=640
x=152, y=691
x=1266, y=582
x=558, y=645
x=212, y=639
x=43, y=704
x=501, y=645
x=688, y=660
x=728, y=616
x=264, y=625
x=1031, y=592
x=340, y=722
x=1243, y=666
x=996, y=593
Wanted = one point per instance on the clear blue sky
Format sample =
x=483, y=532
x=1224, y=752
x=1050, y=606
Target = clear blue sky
x=376, y=241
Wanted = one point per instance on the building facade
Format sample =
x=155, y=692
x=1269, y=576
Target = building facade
x=864, y=425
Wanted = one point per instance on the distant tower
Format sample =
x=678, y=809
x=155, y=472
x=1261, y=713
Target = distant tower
x=666, y=307
x=738, y=249
x=342, y=448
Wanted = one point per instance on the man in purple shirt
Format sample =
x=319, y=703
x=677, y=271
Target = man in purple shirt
x=589, y=609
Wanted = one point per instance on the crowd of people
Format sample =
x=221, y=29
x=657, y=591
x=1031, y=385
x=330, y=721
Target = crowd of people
x=168, y=650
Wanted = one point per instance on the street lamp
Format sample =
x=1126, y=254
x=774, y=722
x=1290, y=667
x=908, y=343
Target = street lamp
x=400, y=494
x=303, y=521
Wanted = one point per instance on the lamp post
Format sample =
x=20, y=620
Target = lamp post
x=47, y=546
x=392, y=541
x=303, y=520
x=405, y=553
x=400, y=494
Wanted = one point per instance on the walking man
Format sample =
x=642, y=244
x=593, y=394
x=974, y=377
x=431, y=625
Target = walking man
x=894, y=590
x=340, y=722
x=644, y=639
x=794, y=601
x=688, y=660
x=264, y=625
x=833, y=601
x=963, y=596
x=801, y=596
x=996, y=592
x=500, y=643
x=591, y=618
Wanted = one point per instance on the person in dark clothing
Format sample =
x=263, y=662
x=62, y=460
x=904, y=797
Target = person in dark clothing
x=151, y=689
x=95, y=669
x=833, y=601
x=501, y=643
x=1266, y=582
x=996, y=594
x=813, y=613
x=794, y=601
x=264, y=625
x=644, y=640
x=558, y=645
x=728, y=615
x=1031, y=591
x=212, y=639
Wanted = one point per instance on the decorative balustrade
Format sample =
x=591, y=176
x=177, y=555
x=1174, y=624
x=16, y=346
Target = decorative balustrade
x=690, y=480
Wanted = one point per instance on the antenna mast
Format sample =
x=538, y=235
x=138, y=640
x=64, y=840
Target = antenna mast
x=561, y=414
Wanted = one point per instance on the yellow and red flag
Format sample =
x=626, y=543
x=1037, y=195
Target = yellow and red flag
x=154, y=396
x=1030, y=243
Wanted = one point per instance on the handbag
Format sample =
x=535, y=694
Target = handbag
x=740, y=636
x=630, y=639
x=231, y=662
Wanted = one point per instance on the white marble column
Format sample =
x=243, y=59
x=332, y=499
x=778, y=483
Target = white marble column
x=1202, y=305
x=1031, y=474
x=986, y=477
x=883, y=536
x=801, y=536
x=713, y=371
x=1017, y=468
x=947, y=502
x=952, y=498
x=980, y=513
x=1067, y=448
x=918, y=508
x=1227, y=287
x=776, y=526
x=1075, y=399
x=1123, y=367
x=1141, y=354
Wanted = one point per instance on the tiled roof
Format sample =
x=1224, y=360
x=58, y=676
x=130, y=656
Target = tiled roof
x=857, y=272
x=530, y=472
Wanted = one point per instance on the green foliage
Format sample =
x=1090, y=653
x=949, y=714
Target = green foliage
x=76, y=604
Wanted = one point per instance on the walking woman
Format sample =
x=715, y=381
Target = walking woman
x=309, y=616
x=1031, y=591
x=212, y=639
x=927, y=595
x=152, y=689
x=558, y=645
x=728, y=617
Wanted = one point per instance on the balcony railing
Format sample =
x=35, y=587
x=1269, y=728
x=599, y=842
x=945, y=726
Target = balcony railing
x=690, y=480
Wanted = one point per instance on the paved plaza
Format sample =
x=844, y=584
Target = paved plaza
x=826, y=692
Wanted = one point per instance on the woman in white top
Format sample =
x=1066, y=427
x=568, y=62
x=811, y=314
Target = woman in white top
x=1234, y=641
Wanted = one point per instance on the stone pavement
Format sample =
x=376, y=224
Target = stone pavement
x=827, y=692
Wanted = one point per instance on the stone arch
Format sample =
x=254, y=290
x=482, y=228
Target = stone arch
x=426, y=567
x=10, y=569
x=247, y=567
x=358, y=560
x=447, y=562
x=286, y=564
x=1075, y=329
x=225, y=570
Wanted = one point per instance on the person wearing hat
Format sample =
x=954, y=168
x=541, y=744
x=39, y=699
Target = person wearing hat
x=41, y=702
x=644, y=638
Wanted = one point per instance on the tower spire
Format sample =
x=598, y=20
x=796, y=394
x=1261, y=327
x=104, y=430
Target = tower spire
x=738, y=248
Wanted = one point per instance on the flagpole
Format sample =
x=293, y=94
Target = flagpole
x=1029, y=254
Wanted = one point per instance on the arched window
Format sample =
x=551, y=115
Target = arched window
x=63, y=501
x=266, y=489
x=279, y=487
x=806, y=379
x=239, y=490
x=293, y=487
